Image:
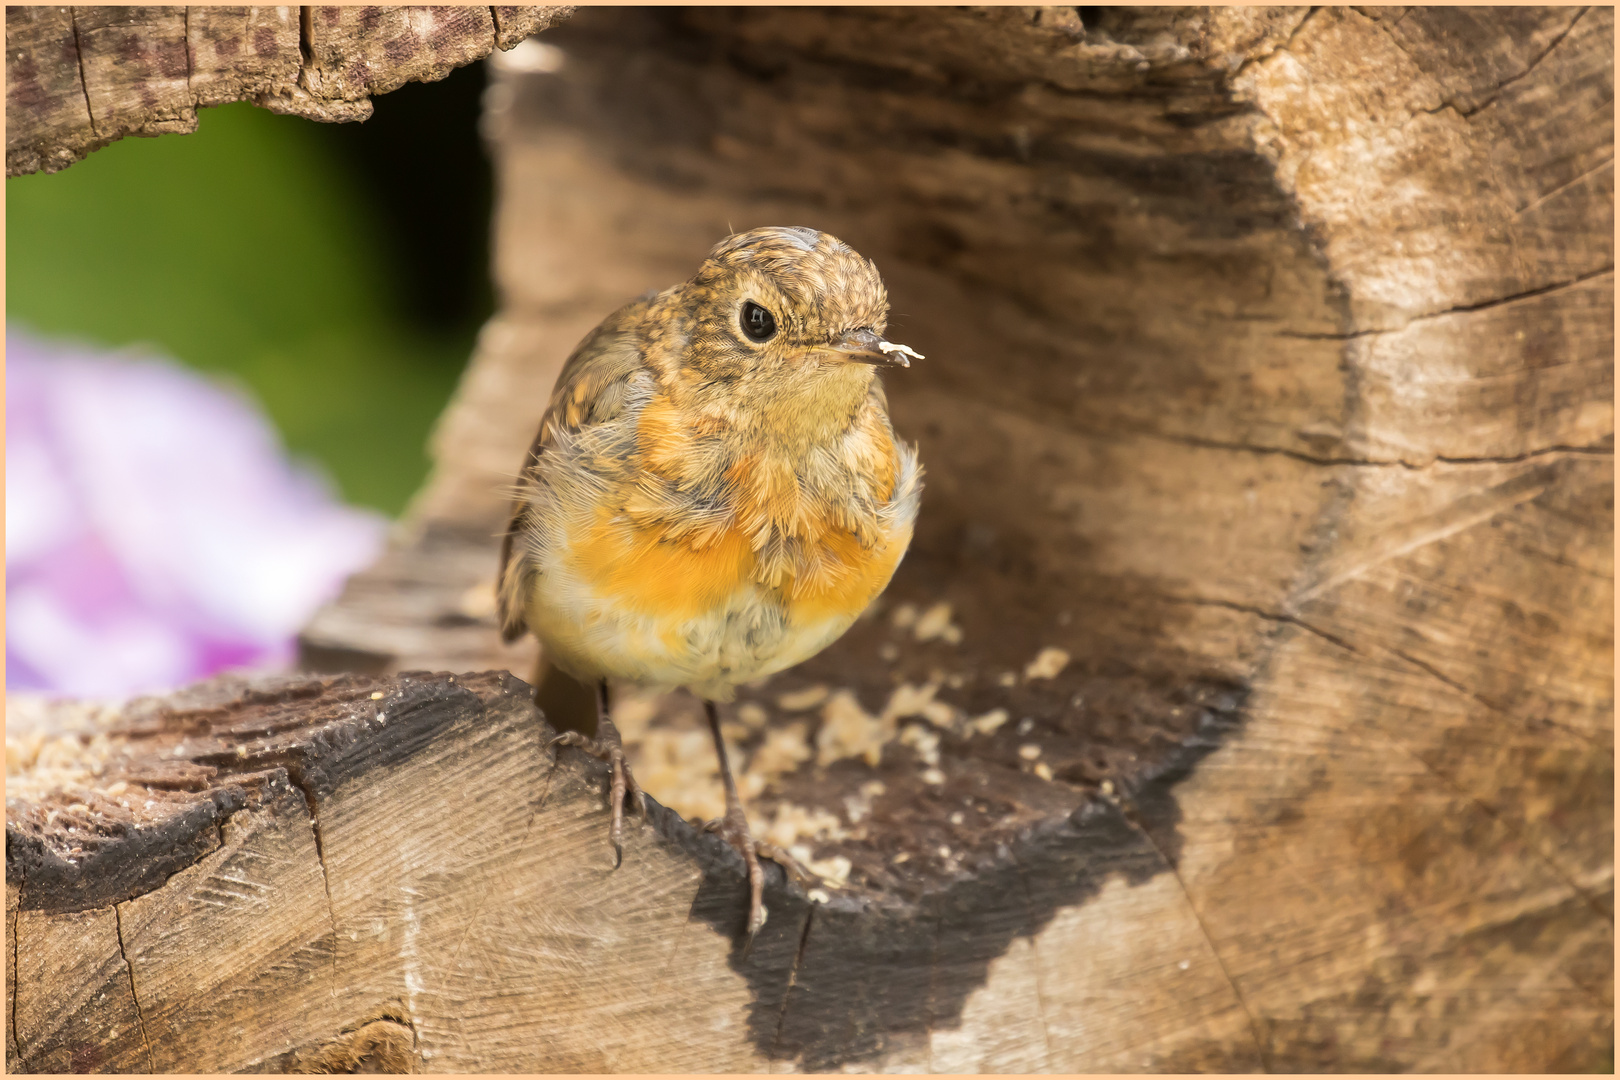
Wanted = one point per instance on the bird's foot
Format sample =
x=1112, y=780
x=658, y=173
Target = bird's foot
x=611, y=750
x=795, y=869
x=733, y=829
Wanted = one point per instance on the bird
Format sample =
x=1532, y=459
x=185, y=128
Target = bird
x=715, y=493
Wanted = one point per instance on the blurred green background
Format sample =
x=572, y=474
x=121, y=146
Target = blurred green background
x=340, y=271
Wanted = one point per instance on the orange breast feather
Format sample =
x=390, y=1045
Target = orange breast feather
x=639, y=567
x=647, y=574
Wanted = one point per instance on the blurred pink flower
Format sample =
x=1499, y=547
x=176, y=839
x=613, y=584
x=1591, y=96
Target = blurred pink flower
x=156, y=531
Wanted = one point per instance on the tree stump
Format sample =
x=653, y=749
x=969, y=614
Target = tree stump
x=1245, y=701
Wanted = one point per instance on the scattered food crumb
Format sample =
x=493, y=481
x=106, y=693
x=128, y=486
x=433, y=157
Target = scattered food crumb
x=819, y=896
x=889, y=651
x=1043, y=770
x=989, y=722
x=794, y=824
x=1026, y=725
x=936, y=623
x=1008, y=678
x=800, y=700
x=376, y=695
x=958, y=817
x=782, y=751
x=680, y=766
x=956, y=681
x=905, y=615
x=901, y=857
x=833, y=871
x=1047, y=663
x=847, y=730
x=941, y=714
x=909, y=700
x=1029, y=751
x=924, y=741
x=752, y=714
x=1184, y=965
x=1107, y=787
x=933, y=776
x=859, y=805
x=944, y=852
x=903, y=350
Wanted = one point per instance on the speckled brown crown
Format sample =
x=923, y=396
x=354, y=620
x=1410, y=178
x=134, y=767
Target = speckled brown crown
x=817, y=271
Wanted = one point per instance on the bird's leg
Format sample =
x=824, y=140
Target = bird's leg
x=733, y=829
x=608, y=746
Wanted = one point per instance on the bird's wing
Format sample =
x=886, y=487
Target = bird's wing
x=590, y=390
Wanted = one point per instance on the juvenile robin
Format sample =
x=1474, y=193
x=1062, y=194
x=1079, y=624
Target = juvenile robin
x=714, y=495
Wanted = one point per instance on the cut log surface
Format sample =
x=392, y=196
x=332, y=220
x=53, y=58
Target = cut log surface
x=279, y=875
x=78, y=78
x=1246, y=699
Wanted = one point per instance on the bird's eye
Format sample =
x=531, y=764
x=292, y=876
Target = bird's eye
x=757, y=323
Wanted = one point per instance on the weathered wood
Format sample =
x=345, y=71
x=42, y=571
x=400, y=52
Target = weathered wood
x=78, y=78
x=1269, y=378
x=405, y=853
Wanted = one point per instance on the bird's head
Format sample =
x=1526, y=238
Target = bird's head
x=786, y=313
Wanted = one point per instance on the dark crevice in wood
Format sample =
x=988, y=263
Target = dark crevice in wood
x=134, y=995
x=933, y=988
x=1270, y=616
x=295, y=775
x=1481, y=305
x=306, y=42
x=1284, y=46
x=16, y=954
x=1531, y=67
x=84, y=83
x=1040, y=994
x=1530, y=455
x=1511, y=298
x=793, y=975
x=1436, y=673
x=1261, y=1047
x=185, y=24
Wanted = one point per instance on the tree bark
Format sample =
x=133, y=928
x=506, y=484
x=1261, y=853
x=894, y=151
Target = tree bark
x=79, y=78
x=1246, y=698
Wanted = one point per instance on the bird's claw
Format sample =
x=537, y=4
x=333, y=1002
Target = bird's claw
x=733, y=829
x=621, y=784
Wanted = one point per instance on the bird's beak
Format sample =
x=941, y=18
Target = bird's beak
x=865, y=347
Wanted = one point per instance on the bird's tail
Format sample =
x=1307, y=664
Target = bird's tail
x=569, y=704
